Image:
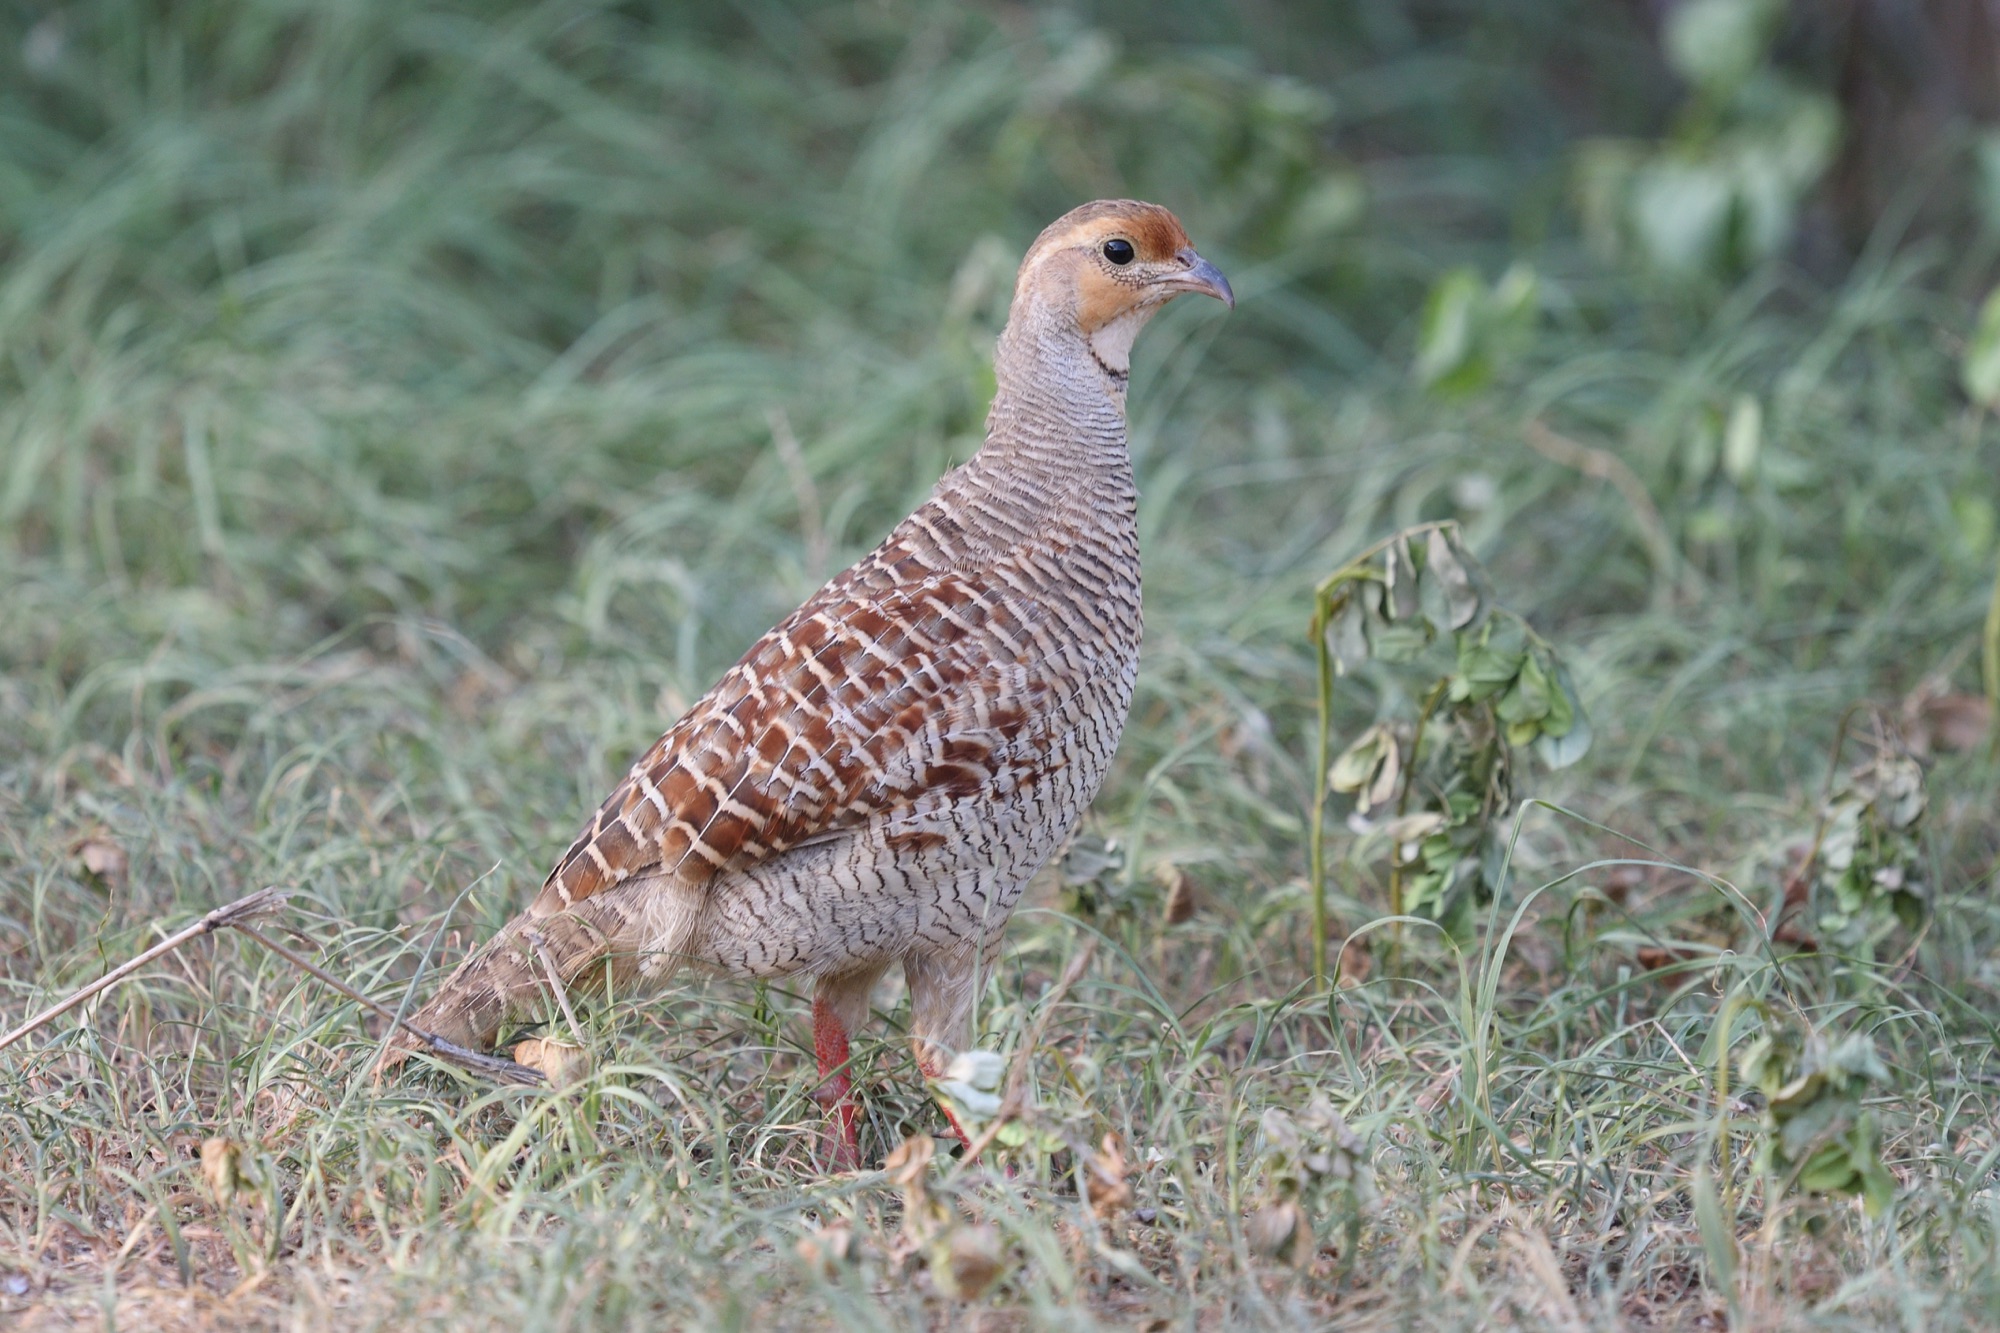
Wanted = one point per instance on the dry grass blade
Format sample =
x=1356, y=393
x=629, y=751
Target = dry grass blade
x=556, y=986
x=1607, y=466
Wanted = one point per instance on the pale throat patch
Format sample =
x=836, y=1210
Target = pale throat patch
x=1112, y=341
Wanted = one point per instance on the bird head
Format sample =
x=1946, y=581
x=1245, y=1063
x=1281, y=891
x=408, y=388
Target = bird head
x=1105, y=269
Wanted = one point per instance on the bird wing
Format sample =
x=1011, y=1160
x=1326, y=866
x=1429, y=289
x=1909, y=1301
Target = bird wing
x=881, y=695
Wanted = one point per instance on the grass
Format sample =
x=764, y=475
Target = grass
x=396, y=411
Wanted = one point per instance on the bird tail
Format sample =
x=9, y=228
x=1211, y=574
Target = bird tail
x=505, y=980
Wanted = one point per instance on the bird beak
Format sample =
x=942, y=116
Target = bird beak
x=1202, y=276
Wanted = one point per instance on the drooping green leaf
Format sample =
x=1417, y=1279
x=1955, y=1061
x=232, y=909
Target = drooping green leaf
x=1464, y=599
x=1528, y=700
x=1358, y=762
x=1347, y=634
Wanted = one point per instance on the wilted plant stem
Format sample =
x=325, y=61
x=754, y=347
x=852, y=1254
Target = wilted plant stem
x=1316, y=856
x=1431, y=702
x=1323, y=612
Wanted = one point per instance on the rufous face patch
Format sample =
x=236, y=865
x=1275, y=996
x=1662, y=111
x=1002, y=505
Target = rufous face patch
x=1106, y=288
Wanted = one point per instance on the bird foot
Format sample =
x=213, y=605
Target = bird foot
x=933, y=1069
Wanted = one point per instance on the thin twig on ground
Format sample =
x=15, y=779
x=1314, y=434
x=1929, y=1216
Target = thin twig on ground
x=237, y=916
x=229, y=914
x=495, y=1066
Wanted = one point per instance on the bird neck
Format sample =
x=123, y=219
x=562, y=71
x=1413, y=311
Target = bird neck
x=1058, y=416
x=1054, y=471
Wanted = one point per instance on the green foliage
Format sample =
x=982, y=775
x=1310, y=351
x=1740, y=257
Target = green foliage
x=1717, y=44
x=1815, y=1135
x=1723, y=191
x=1470, y=332
x=1439, y=786
x=1871, y=868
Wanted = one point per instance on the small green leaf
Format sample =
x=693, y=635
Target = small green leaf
x=1483, y=672
x=1351, y=771
x=1829, y=1171
x=1528, y=701
x=1561, y=716
x=1400, y=643
x=1438, y=850
x=1447, y=335
x=1681, y=210
x=1564, y=750
x=1716, y=44
x=1743, y=439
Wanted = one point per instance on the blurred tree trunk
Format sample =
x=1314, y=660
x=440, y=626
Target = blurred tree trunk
x=1907, y=73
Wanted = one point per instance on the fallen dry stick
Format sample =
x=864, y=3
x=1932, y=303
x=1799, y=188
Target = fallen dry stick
x=496, y=1066
x=264, y=900
x=237, y=916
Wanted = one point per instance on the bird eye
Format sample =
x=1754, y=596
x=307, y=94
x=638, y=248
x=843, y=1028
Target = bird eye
x=1119, y=251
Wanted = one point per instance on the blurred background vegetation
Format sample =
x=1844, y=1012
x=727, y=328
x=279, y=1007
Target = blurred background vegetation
x=405, y=410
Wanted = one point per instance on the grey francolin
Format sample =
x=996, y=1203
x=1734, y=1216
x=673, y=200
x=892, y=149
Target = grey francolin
x=879, y=776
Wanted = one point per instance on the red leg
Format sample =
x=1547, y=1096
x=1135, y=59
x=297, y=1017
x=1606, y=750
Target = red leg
x=843, y=1138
